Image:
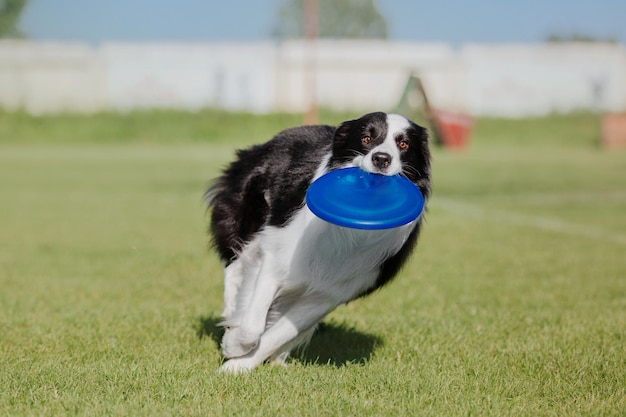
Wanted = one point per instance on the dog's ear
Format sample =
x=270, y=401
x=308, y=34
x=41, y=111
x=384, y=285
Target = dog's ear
x=342, y=134
x=421, y=157
x=343, y=130
x=342, y=148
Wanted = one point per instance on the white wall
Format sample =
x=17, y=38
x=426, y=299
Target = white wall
x=189, y=76
x=352, y=75
x=512, y=80
x=50, y=77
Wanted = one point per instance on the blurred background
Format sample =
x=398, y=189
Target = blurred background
x=115, y=116
x=509, y=60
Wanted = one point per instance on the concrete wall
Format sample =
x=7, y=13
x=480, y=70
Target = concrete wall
x=189, y=76
x=44, y=78
x=517, y=80
x=500, y=80
x=353, y=75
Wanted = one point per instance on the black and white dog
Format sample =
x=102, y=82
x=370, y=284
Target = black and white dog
x=285, y=269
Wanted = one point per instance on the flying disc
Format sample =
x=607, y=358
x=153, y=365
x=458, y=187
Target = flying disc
x=351, y=197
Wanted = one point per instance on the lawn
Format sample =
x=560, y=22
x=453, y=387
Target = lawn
x=514, y=303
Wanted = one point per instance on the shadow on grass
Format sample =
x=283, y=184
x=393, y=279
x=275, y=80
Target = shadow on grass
x=208, y=326
x=339, y=344
x=334, y=344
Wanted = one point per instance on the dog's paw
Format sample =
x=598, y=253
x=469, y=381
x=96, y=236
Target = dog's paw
x=237, y=366
x=236, y=343
x=280, y=358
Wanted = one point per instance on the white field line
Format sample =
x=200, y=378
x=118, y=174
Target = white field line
x=543, y=199
x=538, y=222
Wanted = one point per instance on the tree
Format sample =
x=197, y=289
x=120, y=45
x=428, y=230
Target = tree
x=10, y=11
x=336, y=19
x=578, y=37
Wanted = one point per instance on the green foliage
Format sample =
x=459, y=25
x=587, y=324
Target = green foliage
x=578, y=37
x=514, y=304
x=336, y=19
x=10, y=11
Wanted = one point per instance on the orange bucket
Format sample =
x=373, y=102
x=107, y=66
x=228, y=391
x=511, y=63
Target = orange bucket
x=454, y=128
x=614, y=130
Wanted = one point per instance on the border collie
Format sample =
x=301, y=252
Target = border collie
x=285, y=269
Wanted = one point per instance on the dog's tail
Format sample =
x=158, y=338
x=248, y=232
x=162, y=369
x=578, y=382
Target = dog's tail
x=209, y=195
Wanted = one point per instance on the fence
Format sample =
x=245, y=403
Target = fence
x=497, y=80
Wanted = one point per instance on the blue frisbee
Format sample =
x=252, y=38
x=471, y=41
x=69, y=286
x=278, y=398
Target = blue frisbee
x=351, y=197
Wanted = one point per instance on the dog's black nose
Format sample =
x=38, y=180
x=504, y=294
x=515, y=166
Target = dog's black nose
x=381, y=160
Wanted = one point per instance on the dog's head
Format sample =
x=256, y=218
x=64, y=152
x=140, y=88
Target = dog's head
x=387, y=144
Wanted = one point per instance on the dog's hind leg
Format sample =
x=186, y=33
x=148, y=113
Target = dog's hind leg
x=244, y=336
x=233, y=277
x=240, y=274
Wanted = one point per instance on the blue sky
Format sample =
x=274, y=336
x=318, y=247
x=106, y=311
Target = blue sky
x=455, y=21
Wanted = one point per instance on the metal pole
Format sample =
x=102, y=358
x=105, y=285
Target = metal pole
x=310, y=33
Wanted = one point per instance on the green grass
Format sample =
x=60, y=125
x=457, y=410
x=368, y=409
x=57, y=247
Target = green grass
x=149, y=126
x=514, y=304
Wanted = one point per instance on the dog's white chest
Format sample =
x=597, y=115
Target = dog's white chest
x=329, y=258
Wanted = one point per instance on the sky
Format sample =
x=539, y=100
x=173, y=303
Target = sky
x=453, y=21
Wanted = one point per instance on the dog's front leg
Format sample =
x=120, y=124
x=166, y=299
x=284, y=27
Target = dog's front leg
x=243, y=338
x=300, y=319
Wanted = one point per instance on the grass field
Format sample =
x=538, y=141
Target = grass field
x=514, y=304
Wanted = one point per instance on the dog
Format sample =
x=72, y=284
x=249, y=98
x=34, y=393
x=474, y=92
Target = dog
x=284, y=268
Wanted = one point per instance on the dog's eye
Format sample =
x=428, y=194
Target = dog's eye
x=366, y=140
x=403, y=145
